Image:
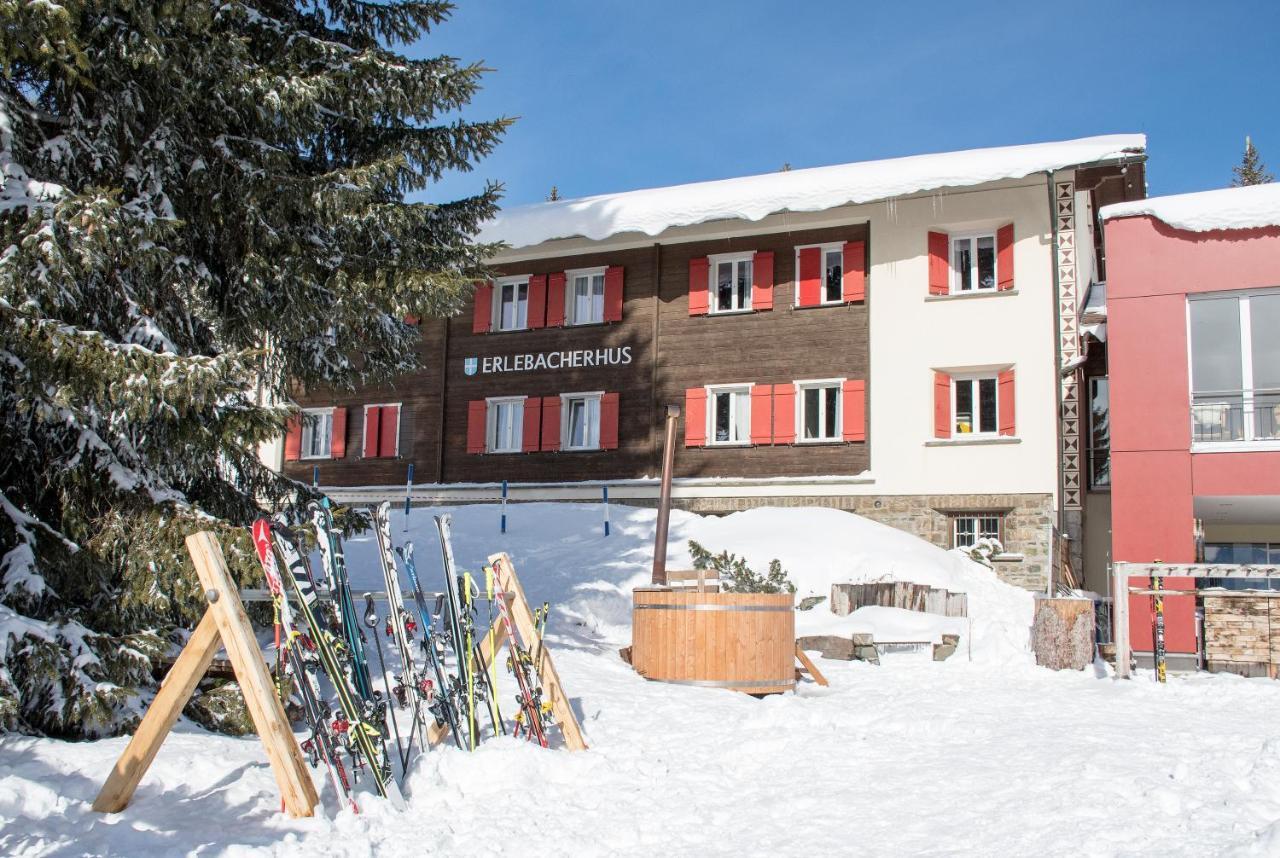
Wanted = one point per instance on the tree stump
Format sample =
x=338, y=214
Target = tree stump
x=1063, y=633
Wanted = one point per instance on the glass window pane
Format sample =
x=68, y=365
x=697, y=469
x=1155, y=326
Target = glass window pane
x=1264, y=324
x=593, y=423
x=830, y=411
x=744, y=285
x=989, y=527
x=597, y=298
x=522, y=305
x=964, y=406
x=965, y=531
x=811, y=416
x=835, y=276
x=1215, y=345
x=724, y=285
x=962, y=262
x=507, y=310
x=742, y=416
x=722, y=404
x=581, y=300
x=1219, y=552
x=986, y=262
x=987, y=404
x=577, y=427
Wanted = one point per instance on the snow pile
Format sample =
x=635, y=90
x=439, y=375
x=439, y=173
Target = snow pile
x=562, y=557
x=1250, y=207
x=655, y=210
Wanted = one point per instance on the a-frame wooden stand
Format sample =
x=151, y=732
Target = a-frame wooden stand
x=526, y=626
x=224, y=624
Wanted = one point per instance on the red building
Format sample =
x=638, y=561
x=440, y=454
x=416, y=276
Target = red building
x=1193, y=307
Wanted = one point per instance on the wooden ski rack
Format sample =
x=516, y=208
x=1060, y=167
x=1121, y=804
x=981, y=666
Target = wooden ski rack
x=527, y=628
x=224, y=624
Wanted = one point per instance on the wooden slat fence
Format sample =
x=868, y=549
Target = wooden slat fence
x=847, y=598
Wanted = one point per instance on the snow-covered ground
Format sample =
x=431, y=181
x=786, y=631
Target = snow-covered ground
x=983, y=757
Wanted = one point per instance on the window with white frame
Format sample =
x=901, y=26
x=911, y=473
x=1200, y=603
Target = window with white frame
x=967, y=529
x=730, y=283
x=1235, y=366
x=317, y=433
x=580, y=421
x=585, y=299
x=511, y=309
x=973, y=263
x=729, y=417
x=833, y=274
x=819, y=407
x=505, y=432
x=974, y=405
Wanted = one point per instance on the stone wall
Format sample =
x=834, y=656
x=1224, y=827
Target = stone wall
x=1027, y=520
x=1237, y=634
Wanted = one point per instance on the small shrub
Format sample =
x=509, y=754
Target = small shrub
x=736, y=577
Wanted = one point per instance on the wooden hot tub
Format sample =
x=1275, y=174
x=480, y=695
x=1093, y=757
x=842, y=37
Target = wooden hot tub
x=743, y=641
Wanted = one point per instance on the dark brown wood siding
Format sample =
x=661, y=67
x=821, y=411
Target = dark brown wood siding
x=670, y=351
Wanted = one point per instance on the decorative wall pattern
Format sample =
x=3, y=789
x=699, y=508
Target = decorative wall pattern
x=1069, y=328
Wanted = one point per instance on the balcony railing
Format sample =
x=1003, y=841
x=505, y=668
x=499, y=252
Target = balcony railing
x=1239, y=415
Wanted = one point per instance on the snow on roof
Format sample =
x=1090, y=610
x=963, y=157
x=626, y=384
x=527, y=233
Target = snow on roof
x=752, y=198
x=1229, y=208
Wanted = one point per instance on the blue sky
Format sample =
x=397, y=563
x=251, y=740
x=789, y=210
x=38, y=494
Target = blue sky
x=619, y=95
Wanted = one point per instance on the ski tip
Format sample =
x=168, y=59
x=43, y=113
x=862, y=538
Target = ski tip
x=392, y=790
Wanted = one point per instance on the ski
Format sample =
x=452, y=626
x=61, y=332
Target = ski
x=440, y=707
x=530, y=696
x=1157, y=584
x=321, y=745
x=334, y=561
x=453, y=617
x=411, y=689
x=359, y=722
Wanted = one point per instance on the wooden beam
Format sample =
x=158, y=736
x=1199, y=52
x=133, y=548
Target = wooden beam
x=527, y=628
x=160, y=717
x=1196, y=570
x=1120, y=617
x=810, y=666
x=259, y=691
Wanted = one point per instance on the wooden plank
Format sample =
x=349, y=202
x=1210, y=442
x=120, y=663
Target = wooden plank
x=527, y=628
x=259, y=691
x=160, y=717
x=810, y=666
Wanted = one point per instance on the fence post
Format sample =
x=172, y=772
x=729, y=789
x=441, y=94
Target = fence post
x=315, y=476
x=504, y=506
x=408, y=488
x=1120, y=617
x=605, y=491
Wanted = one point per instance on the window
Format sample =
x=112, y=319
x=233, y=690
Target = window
x=974, y=405
x=730, y=415
x=512, y=306
x=833, y=275
x=973, y=263
x=819, y=404
x=317, y=433
x=505, y=432
x=1099, y=433
x=580, y=420
x=586, y=297
x=968, y=529
x=730, y=283
x=1235, y=367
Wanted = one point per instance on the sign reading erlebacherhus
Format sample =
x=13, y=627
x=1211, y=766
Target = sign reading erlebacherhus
x=570, y=359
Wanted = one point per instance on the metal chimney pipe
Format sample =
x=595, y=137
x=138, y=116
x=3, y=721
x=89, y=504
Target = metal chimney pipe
x=664, y=499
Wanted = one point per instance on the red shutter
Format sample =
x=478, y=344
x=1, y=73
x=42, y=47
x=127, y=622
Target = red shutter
x=338, y=444
x=372, y=428
x=699, y=273
x=532, y=424
x=695, y=417
x=941, y=405
x=784, y=413
x=609, y=421
x=477, y=417
x=483, y=317
x=762, y=276
x=389, y=434
x=939, y=267
x=613, y=279
x=555, y=299
x=293, y=439
x=854, y=410
x=1005, y=403
x=761, y=414
x=809, y=291
x=550, y=423
x=411, y=319
x=855, y=271
x=1004, y=257
x=538, y=301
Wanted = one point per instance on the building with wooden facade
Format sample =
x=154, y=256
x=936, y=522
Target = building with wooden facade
x=898, y=338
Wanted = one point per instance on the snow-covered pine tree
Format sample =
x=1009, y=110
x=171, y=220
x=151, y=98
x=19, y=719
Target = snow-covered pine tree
x=200, y=201
x=1250, y=170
